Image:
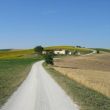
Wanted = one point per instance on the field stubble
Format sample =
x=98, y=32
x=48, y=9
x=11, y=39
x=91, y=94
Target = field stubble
x=91, y=71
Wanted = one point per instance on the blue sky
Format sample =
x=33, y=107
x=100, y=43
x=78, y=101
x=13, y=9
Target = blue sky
x=27, y=23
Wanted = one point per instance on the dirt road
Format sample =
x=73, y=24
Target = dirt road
x=39, y=92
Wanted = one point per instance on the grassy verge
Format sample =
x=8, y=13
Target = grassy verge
x=12, y=74
x=86, y=98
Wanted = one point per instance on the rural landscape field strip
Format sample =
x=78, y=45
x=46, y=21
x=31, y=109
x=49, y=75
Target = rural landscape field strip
x=86, y=98
x=39, y=92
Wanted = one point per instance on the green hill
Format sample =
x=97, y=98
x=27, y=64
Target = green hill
x=11, y=53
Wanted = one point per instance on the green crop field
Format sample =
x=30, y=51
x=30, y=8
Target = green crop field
x=16, y=53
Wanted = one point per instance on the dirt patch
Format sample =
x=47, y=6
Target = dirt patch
x=95, y=62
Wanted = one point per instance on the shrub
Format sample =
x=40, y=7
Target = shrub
x=49, y=59
x=98, y=51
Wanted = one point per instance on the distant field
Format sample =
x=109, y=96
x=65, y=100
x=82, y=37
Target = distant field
x=16, y=53
x=91, y=71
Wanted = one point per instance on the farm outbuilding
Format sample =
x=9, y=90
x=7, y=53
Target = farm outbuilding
x=58, y=52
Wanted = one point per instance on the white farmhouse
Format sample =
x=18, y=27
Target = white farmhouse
x=44, y=52
x=59, y=52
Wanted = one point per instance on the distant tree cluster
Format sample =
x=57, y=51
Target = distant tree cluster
x=78, y=46
x=38, y=49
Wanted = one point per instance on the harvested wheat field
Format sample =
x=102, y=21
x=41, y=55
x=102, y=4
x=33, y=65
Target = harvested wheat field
x=91, y=71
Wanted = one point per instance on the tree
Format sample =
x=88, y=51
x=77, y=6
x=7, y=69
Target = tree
x=39, y=49
x=78, y=46
x=67, y=52
x=49, y=59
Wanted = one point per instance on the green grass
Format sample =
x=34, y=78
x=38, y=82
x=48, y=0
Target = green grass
x=86, y=98
x=12, y=74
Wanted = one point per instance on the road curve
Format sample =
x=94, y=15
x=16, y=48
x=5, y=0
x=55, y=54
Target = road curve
x=39, y=92
x=93, y=52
